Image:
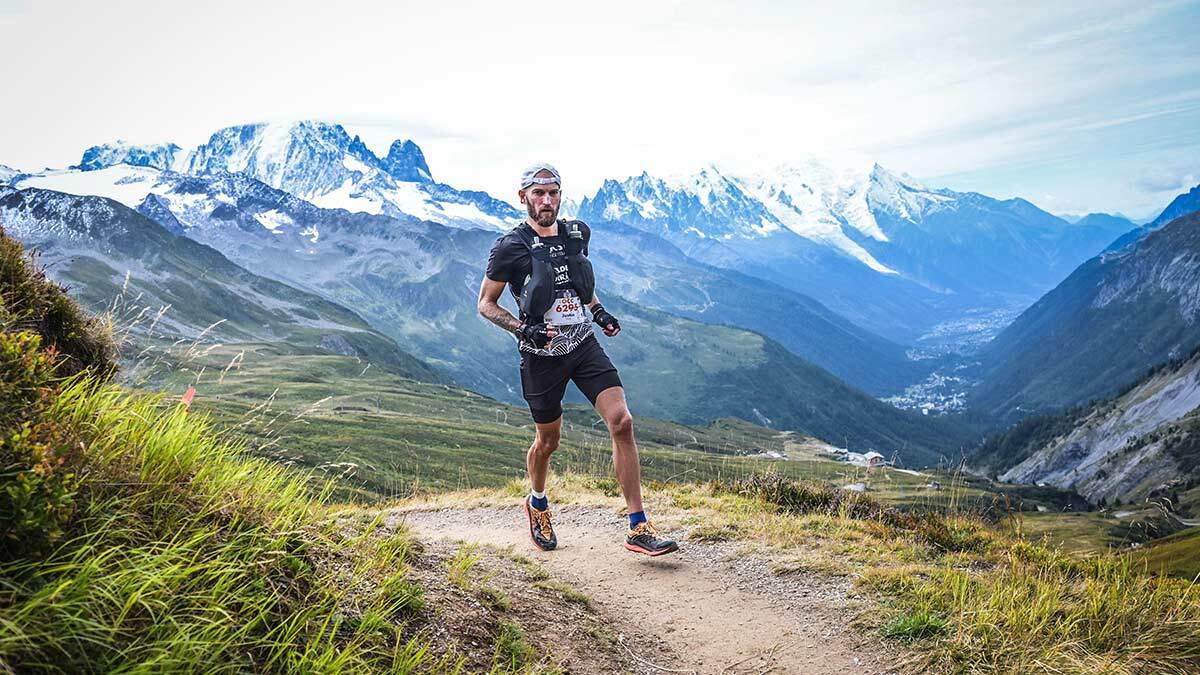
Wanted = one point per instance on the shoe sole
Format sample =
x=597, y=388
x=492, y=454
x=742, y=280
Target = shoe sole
x=653, y=554
x=529, y=517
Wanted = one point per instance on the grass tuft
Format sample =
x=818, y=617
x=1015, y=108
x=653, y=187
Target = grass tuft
x=459, y=567
x=918, y=625
x=513, y=652
x=567, y=592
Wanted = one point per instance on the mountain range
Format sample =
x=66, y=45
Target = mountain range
x=879, y=248
x=176, y=288
x=674, y=367
x=718, y=272
x=241, y=215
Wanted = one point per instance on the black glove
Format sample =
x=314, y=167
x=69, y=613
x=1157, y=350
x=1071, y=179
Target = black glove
x=602, y=317
x=536, y=334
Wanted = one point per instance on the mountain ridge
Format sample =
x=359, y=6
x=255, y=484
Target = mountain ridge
x=1115, y=316
x=877, y=247
x=107, y=251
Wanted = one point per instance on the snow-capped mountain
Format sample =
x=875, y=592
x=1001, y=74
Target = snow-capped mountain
x=316, y=161
x=321, y=163
x=810, y=199
x=162, y=156
x=878, y=247
x=7, y=173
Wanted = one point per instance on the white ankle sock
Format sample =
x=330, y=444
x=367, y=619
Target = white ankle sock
x=539, y=495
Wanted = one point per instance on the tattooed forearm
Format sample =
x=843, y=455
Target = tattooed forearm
x=499, y=316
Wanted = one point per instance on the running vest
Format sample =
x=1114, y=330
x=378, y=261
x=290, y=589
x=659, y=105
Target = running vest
x=537, y=294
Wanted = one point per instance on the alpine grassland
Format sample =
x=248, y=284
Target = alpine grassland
x=134, y=540
x=972, y=595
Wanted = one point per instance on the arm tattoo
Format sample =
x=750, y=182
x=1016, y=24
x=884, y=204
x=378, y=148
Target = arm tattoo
x=493, y=312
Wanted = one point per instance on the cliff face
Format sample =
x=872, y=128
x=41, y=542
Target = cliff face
x=1128, y=447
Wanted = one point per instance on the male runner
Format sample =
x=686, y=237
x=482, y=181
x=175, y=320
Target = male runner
x=546, y=258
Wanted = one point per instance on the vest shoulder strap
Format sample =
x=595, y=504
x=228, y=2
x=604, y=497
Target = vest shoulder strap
x=526, y=236
x=573, y=234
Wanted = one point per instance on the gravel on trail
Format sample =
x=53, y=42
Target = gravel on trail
x=714, y=607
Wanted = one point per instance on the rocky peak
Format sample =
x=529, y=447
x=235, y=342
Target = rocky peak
x=406, y=162
x=159, y=156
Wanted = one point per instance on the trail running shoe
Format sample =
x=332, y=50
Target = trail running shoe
x=540, y=529
x=643, y=539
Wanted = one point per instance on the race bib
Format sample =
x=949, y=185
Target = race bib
x=566, y=310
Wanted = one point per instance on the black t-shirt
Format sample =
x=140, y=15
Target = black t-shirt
x=510, y=261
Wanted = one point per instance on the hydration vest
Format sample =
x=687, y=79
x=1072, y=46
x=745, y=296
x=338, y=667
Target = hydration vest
x=537, y=293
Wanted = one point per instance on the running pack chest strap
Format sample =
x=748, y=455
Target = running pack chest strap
x=537, y=293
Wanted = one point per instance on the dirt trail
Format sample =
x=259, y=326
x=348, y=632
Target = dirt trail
x=713, y=611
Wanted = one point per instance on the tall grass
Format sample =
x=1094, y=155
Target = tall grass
x=1041, y=611
x=185, y=555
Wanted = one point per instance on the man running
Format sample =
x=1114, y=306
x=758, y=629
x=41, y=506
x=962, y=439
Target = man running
x=544, y=263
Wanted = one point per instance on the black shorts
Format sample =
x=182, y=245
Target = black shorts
x=544, y=378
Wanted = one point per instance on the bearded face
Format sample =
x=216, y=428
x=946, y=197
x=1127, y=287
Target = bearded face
x=541, y=213
x=542, y=201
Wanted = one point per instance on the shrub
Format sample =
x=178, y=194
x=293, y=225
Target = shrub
x=31, y=302
x=37, y=455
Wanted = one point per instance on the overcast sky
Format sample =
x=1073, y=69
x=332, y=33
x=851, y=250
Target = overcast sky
x=1077, y=106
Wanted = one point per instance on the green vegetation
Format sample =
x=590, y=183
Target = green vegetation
x=1177, y=555
x=565, y=591
x=180, y=554
x=134, y=539
x=1073, y=532
x=1035, y=609
x=513, y=652
x=460, y=566
x=919, y=625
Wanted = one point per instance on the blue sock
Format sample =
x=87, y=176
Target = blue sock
x=635, y=518
x=540, y=503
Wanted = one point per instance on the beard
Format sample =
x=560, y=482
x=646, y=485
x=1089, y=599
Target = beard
x=542, y=218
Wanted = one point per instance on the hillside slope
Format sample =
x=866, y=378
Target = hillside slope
x=1144, y=442
x=1115, y=317
x=93, y=243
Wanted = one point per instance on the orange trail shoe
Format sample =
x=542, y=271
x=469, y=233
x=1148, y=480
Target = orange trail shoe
x=644, y=539
x=540, y=529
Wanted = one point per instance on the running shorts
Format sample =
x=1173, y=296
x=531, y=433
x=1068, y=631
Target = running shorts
x=544, y=378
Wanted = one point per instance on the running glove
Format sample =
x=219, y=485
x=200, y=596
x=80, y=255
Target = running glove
x=602, y=317
x=536, y=334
